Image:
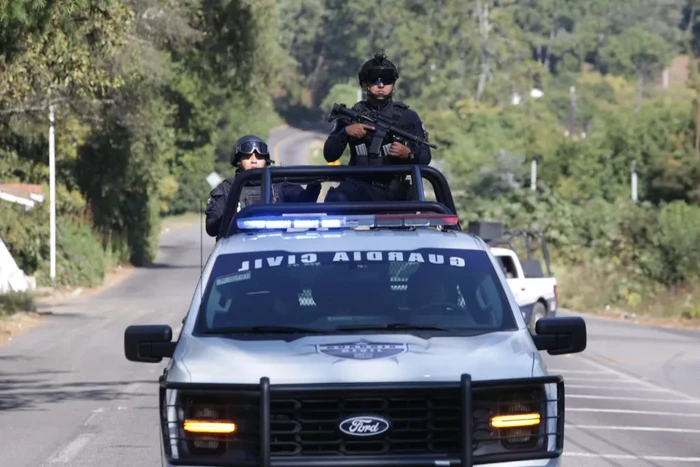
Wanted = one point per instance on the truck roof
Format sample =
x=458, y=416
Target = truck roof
x=498, y=251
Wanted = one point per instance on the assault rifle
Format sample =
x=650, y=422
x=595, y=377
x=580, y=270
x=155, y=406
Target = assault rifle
x=382, y=126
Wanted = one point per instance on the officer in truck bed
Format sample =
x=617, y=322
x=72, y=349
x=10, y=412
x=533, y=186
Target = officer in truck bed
x=377, y=77
x=251, y=152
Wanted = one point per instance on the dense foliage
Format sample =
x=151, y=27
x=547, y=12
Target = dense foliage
x=151, y=93
x=148, y=94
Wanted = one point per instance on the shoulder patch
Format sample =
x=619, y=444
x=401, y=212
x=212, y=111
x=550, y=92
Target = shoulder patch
x=334, y=126
x=425, y=131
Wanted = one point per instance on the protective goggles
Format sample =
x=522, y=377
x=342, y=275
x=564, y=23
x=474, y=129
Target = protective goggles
x=250, y=147
x=380, y=76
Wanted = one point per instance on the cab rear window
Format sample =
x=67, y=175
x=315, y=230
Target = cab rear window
x=455, y=289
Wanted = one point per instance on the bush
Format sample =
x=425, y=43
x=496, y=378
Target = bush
x=676, y=241
x=81, y=256
x=14, y=302
x=339, y=94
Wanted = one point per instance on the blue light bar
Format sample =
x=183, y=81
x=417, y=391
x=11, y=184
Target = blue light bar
x=322, y=222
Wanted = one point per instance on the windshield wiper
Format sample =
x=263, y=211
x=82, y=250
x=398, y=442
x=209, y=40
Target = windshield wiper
x=266, y=329
x=392, y=327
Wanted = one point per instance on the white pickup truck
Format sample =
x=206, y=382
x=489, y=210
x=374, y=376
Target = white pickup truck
x=535, y=291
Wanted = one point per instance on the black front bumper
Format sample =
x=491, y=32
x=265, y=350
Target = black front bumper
x=259, y=442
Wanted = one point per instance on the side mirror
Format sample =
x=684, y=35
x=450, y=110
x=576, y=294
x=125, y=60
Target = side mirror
x=559, y=336
x=148, y=343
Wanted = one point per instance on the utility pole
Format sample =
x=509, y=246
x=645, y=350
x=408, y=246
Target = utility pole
x=697, y=127
x=533, y=175
x=572, y=112
x=634, y=181
x=52, y=192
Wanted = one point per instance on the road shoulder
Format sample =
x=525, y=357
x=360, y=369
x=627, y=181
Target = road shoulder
x=19, y=323
x=639, y=320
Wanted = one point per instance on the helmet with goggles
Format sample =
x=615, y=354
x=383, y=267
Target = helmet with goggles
x=377, y=69
x=249, y=145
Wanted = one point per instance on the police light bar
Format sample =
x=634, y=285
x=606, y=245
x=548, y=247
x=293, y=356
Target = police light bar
x=304, y=222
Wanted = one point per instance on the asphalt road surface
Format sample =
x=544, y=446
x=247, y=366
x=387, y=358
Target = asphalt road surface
x=68, y=397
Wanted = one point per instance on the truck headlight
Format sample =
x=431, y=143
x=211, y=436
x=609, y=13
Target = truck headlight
x=206, y=426
x=518, y=421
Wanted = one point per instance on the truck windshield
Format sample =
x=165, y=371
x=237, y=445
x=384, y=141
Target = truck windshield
x=454, y=290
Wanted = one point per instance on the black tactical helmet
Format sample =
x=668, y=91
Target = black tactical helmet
x=246, y=145
x=378, y=68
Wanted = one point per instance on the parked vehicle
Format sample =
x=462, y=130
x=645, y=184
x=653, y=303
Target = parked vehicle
x=534, y=290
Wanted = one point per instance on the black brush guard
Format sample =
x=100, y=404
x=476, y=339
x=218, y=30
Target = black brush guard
x=466, y=458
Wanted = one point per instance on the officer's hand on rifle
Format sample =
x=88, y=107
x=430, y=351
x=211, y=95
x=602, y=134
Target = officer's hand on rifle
x=399, y=150
x=358, y=130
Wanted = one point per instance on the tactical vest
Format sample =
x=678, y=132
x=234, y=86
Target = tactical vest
x=251, y=195
x=361, y=149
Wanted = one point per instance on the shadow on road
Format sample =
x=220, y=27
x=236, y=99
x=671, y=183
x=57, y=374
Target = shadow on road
x=172, y=266
x=32, y=391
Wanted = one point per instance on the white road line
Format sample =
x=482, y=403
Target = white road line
x=614, y=388
x=72, y=449
x=633, y=412
x=621, y=457
x=577, y=372
x=635, y=399
x=653, y=429
x=619, y=374
x=599, y=380
x=93, y=415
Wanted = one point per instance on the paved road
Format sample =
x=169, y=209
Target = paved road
x=633, y=397
x=68, y=397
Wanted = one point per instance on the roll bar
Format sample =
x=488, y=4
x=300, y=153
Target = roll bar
x=265, y=177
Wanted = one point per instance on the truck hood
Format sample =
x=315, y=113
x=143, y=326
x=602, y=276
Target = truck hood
x=353, y=358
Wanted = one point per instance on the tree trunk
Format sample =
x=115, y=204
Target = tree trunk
x=552, y=34
x=640, y=92
x=314, y=83
x=485, y=65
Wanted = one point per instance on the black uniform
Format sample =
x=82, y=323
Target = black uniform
x=281, y=192
x=375, y=188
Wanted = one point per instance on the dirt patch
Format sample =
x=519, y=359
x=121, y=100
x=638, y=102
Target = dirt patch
x=632, y=318
x=112, y=278
x=17, y=324
x=180, y=221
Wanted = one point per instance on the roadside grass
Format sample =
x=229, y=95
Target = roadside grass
x=15, y=302
x=587, y=289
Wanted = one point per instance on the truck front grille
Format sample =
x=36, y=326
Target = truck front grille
x=422, y=422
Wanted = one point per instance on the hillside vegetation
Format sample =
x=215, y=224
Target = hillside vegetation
x=150, y=94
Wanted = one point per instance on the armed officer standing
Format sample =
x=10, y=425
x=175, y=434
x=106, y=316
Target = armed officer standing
x=377, y=77
x=251, y=152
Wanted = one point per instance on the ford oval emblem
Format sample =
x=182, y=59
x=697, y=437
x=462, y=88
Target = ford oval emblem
x=364, y=426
